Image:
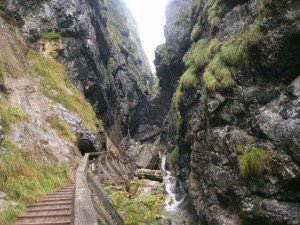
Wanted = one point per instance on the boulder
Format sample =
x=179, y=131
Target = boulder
x=157, y=175
x=145, y=156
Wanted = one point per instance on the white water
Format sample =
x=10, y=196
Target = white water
x=176, y=194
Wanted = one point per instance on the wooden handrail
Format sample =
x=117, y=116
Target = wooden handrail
x=83, y=205
x=87, y=194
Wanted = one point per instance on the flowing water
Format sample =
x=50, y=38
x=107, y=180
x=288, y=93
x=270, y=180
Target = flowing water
x=177, y=204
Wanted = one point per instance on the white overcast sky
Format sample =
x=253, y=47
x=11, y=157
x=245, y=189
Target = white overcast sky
x=150, y=17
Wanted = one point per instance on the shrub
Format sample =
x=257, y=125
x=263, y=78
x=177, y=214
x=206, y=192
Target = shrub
x=51, y=36
x=58, y=87
x=139, y=208
x=174, y=156
x=254, y=161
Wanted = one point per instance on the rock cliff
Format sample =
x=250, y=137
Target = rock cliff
x=235, y=112
x=99, y=45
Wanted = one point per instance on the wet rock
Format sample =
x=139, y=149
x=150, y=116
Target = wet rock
x=156, y=175
x=280, y=120
x=281, y=212
x=145, y=156
x=260, y=111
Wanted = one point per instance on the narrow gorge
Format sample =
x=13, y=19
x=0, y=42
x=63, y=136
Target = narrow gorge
x=222, y=110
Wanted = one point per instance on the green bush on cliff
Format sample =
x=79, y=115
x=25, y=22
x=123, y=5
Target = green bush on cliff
x=51, y=36
x=189, y=78
x=233, y=53
x=202, y=52
x=179, y=122
x=177, y=97
x=174, y=156
x=254, y=162
x=217, y=74
x=58, y=87
x=214, y=10
x=195, y=32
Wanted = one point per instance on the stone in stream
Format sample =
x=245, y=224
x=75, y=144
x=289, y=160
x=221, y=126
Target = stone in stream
x=156, y=175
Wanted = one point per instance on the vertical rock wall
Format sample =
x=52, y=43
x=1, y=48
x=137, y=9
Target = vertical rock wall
x=236, y=110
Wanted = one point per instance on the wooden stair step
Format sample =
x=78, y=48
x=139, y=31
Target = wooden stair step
x=64, y=222
x=50, y=203
x=48, y=209
x=52, y=199
x=25, y=216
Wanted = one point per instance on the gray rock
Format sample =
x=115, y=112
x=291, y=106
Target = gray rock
x=145, y=156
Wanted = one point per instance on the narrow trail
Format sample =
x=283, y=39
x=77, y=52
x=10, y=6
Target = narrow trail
x=54, y=210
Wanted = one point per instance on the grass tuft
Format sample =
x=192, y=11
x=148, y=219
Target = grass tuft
x=26, y=180
x=174, y=156
x=233, y=53
x=10, y=214
x=210, y=80
x=51, y=36
x=2, y=68
x=179, y=122
x=11, y=115
x=58, y=87
x=195, y=32
x=202, y=52
x=189, y=78
x=254, y=161
x=63, y=129
x=177, y=97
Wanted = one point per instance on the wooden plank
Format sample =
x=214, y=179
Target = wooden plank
x=102, y=196
x=101, y=214
x=106, y=174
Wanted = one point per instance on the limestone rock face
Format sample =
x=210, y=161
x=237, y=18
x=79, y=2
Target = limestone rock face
x=259, y=111
x=100, y=46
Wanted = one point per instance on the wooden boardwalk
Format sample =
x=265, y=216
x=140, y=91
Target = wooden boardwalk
x=54, y=210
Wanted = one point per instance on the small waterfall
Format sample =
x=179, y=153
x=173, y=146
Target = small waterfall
x=176, y=193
